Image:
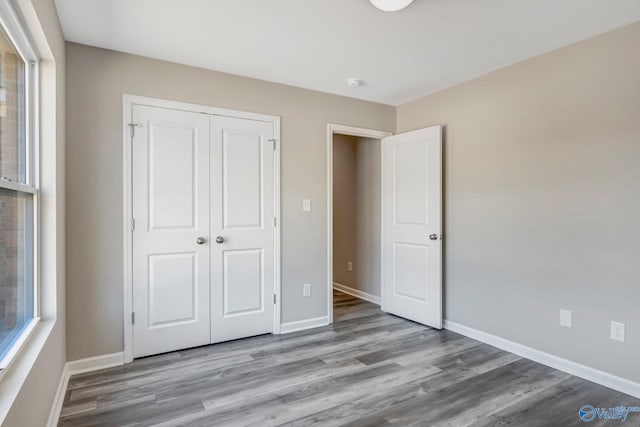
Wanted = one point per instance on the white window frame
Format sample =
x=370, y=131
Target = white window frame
x=15, y=30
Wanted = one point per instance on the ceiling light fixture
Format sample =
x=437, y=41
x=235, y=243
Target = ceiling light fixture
x=390, y=5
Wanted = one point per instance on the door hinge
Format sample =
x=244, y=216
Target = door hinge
x=133, y=224
x=133, y=318
x=274, y=298
x=273, y=141
x=133, y=127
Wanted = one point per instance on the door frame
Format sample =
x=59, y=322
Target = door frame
x=128, y=101
x=350, y=131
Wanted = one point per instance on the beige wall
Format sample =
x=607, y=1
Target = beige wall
x=344, y=208
x=96, y=81
x=357, y=212
x=369, y=215
x=542, y=189
x=30, y=384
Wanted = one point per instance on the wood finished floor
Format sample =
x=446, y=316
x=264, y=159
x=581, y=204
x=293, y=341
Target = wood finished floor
x=367, y=369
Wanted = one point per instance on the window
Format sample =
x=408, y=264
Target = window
x=18, y=190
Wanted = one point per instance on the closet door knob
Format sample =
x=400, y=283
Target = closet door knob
x=433, y=236
x=219, y=239
x=201, y=240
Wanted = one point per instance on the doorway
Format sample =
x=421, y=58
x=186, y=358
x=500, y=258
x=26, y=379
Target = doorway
x=357, y=216
x=354, y=217
x=204, y=237
x=385, y=220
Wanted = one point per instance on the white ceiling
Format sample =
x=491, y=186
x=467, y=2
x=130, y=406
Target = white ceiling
x=318, y=44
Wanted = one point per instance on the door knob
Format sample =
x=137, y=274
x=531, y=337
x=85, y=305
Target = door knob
x=201, y=240
x=433, y=236
x=219, y=239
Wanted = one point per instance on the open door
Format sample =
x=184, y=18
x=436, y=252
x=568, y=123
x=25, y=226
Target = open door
x=412, y=225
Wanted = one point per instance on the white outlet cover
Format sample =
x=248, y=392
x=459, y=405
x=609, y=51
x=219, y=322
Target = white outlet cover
x=306, y=205
x=306, y=290
x=350, y=266
x=565, y=318
x=617, y=331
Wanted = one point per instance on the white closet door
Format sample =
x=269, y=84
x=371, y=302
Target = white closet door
x=171, y=211
x=412, y=225
x=242, y=228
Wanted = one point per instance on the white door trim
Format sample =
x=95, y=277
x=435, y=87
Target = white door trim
x=342, y=130
x=128, y=101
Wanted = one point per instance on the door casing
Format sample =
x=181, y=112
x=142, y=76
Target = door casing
x=128, y=101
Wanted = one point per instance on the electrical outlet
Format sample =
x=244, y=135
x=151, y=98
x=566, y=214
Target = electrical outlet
x=306, y=205
x=306, y=290
x=565, y=318
x=617, y=331
x=350, y=266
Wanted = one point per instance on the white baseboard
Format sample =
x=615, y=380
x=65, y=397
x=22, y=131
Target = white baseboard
x=594, y=375
x=95, y=363
x=301, y=325
x=356, y=293
x=80, y=366
x=58, y=400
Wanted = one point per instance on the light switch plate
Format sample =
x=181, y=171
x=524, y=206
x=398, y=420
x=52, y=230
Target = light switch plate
x=565, y=318
x=306, y=205
x=350, y=266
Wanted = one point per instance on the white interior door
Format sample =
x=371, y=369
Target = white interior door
x=171, y=211
x=412, y=225
x=243, y=229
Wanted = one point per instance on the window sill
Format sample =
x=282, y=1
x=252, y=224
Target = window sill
x=13, y=377
x=18, y=345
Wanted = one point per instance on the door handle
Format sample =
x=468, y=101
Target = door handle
x=219, y=239
x=201, y=240
x=433, y=236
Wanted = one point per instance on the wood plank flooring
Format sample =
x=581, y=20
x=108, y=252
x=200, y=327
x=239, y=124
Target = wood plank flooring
x=367, y=369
